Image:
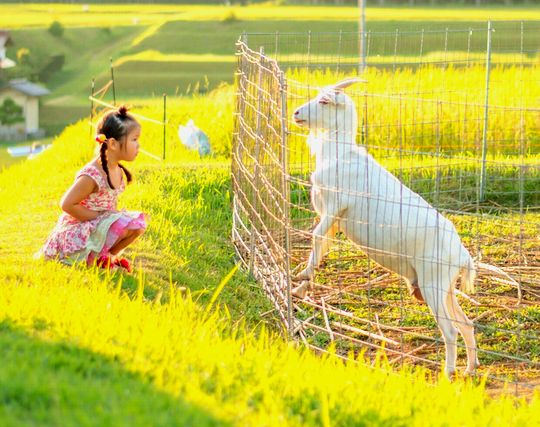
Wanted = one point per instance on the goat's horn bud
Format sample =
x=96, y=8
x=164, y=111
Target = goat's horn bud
x=347, y=82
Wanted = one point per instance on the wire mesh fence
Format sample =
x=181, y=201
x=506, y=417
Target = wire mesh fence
x=455, y=117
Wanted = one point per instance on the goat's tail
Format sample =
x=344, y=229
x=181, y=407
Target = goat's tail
x=468, y=275
x=496, y=270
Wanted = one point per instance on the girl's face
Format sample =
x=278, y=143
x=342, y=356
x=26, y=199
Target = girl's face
x=130, y=147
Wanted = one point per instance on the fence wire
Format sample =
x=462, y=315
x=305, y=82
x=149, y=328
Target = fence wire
x=454, y=115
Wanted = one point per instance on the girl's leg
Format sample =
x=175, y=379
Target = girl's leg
x=125, y=240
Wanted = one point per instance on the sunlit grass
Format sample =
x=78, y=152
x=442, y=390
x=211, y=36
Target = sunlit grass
x=25, y=15
x=435, y=110
x=144, y=333
x=156, y=56
x=229, y=373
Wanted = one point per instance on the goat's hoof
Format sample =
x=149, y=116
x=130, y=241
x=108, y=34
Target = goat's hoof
x=471, y=372
x=301, y=290
x=305, y=274
x=450, y=374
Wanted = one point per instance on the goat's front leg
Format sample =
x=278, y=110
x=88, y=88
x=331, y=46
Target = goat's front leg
x=323, y=232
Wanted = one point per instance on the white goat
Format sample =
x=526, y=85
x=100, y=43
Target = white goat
x=396, y=227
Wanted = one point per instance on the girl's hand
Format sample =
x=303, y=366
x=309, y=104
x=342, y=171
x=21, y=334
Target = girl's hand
x=106, y=212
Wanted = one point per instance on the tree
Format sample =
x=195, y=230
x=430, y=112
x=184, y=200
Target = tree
x=56, y=29
x=10, y=113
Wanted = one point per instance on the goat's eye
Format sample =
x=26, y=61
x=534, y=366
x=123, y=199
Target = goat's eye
x=323, y=101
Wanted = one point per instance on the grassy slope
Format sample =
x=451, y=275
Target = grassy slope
x=83, y=347
x=109, y=357
x=87, y=52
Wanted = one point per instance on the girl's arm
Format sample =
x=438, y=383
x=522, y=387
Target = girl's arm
x=79, y=191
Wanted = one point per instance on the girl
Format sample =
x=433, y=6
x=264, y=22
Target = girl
x=91, y=228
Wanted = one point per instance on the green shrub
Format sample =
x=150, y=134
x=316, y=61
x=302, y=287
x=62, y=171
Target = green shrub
x=53, y=65
x=56, y=29
x=10, y=112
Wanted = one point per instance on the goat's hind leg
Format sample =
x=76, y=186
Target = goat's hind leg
x=466, y=329
x=436, y=298
x=322, y=235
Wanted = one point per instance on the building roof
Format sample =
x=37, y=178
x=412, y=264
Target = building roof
x=26, y=87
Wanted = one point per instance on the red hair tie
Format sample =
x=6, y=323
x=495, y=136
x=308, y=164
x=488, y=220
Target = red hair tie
x=101, y=138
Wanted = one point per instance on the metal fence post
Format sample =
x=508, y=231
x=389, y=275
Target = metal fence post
x=469, y=36
x=256, y=171
x=276, y=46
x=362, y=35
x=112, y=79
x=308, y=58
x=446, y=48
x=395, y=50
x=486, y=115
x=236, y=144
x=286, y=197
x=164, y=124
x=93, y=88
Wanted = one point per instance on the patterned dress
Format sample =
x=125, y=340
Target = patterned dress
x=74, y=240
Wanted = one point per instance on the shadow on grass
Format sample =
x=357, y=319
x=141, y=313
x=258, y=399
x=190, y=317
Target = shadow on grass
x=44, y=383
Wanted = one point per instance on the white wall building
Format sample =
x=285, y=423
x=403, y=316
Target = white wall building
x=25, y=94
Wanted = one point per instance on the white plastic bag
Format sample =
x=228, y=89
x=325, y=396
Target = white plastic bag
x=194, y=138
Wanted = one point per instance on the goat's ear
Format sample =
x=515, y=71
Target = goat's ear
x=339, y=86
x=327, y=98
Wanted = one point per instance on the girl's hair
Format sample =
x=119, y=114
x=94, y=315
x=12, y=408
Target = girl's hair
x=115, y=124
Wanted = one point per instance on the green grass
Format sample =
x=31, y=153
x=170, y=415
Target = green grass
x=51, y=383
x=41, y=15
x=435, y=110
x=121, y=31
x=219, y=37
x=6, y=160
x=84, y=347
x=154, y=78
x=86, y=50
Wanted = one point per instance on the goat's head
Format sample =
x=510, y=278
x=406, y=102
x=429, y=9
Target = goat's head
x=330, y=108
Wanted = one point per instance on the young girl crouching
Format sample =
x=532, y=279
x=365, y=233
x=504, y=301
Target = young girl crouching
x=91, y=228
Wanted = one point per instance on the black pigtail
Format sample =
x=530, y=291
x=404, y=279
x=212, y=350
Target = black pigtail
x=126, y=172
x=103, y=156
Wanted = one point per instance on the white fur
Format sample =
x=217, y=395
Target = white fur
x=397, y=228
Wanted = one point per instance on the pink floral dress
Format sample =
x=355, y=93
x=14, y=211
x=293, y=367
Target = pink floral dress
x=74, y=240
